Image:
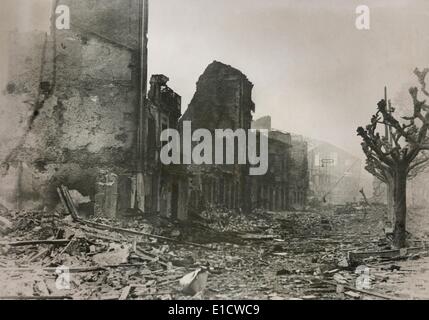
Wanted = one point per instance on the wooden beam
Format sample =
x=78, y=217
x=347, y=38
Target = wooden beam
x=370, y=293
x=35, y=242
x=358, y=257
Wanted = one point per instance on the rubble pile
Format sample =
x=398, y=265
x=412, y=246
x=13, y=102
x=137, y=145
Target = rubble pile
x=100, y=263
x=264, y=255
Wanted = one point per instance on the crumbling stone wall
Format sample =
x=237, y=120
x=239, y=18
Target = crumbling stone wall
x=16, y=109
x=168, y=191
x=71, y=96
x=223, y=100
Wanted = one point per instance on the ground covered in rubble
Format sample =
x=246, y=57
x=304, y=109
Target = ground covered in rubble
x=265, y=255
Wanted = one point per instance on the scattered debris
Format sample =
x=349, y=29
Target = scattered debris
x=114, y=254
x=5, y=226
x=78, y=198
x=370, y=293
x=35, y=242
x=256, y=237
x=71, y=208
x=357, y=258
x=289, y=255
x=352, y=294
x=194, y=282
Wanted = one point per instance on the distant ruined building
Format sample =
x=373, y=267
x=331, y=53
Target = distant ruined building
x=223, y=100
x=299, y=177
x=335, y=174
x=285, y=186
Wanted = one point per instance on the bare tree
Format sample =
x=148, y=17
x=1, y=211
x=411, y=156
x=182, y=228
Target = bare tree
x=401, y=154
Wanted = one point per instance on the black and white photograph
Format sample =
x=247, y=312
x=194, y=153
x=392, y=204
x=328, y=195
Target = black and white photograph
x=201, y=150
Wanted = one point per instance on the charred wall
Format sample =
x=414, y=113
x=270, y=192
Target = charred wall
x=71, y=95
x=223, y=100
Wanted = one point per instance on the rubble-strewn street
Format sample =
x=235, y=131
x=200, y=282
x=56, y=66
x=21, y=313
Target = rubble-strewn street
x=213, y=150
x=285, y=255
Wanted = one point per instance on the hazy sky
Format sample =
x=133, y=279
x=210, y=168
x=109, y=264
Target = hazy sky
x=313, y=71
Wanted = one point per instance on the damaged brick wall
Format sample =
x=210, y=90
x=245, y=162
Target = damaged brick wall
x=71, y=103
x=223, y=100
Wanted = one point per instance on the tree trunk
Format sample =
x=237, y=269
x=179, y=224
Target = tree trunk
x=390, y=202
x=400, y=207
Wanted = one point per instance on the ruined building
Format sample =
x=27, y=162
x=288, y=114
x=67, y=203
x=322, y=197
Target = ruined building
x=77, y=100
x=78, y=113
x=335, y=175
x=167, y=185
x=223, y=100
x=299, y=173
x=271, y=191
x=285, y=185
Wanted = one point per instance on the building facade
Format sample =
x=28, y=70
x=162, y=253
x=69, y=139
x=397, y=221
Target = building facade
x=298, y=173
x=223, y=100
x=84, y=119
x=285, y=185
x=166, y=185
x=335, y=175
x=271, y=191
